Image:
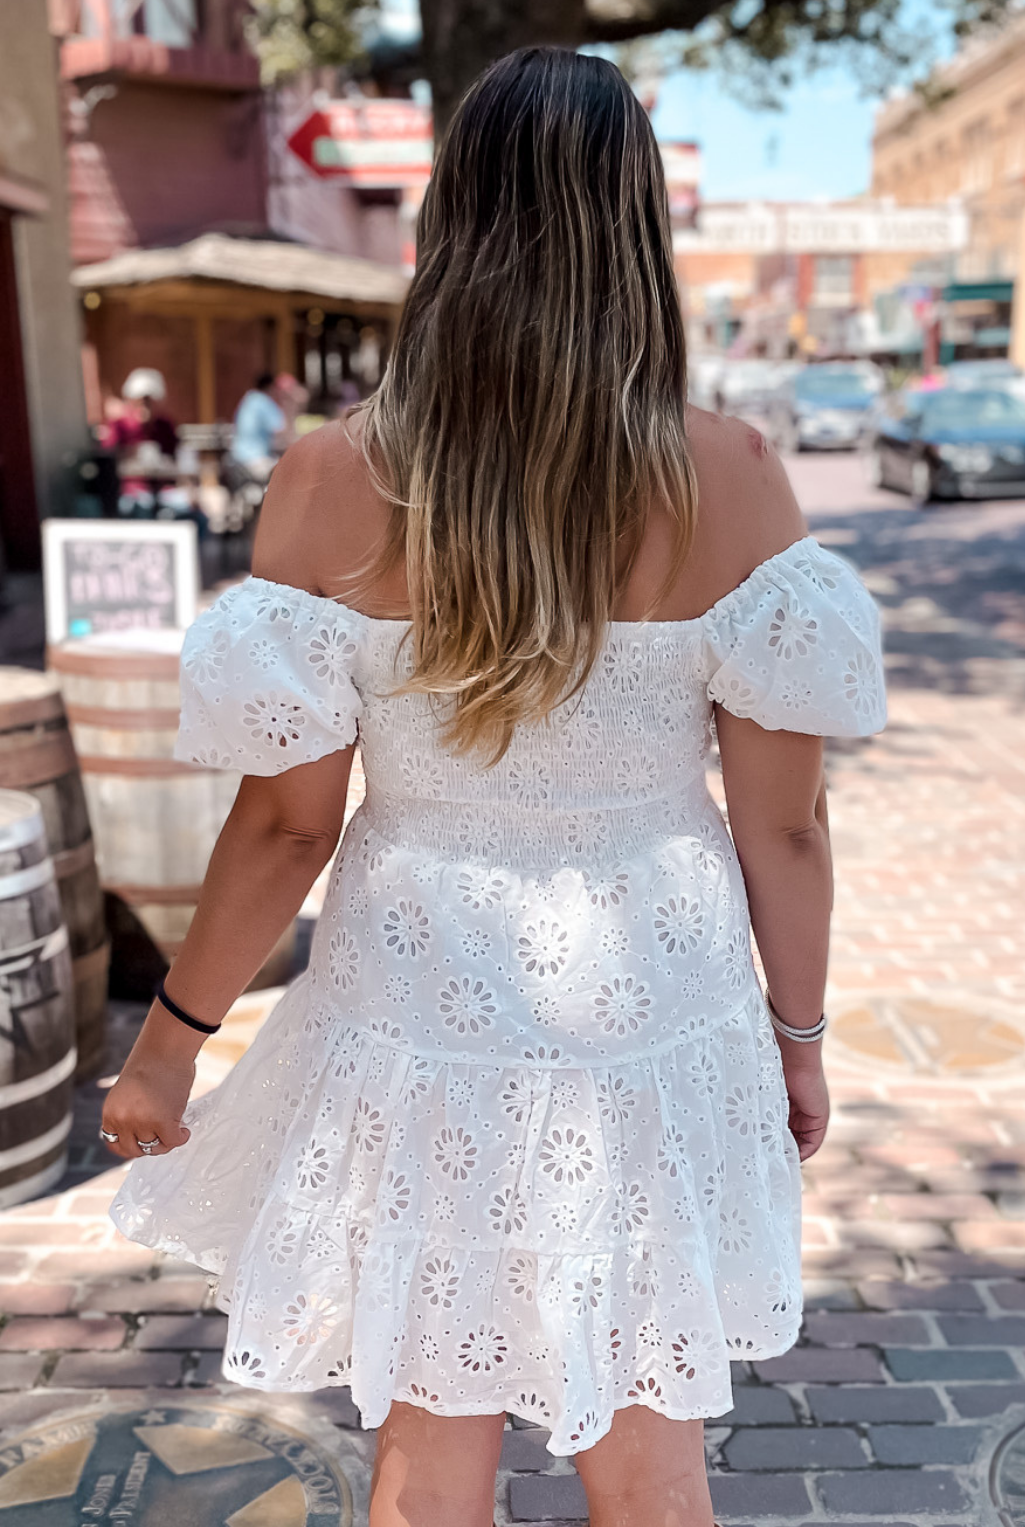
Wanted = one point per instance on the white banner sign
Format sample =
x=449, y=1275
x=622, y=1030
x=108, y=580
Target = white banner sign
x=872, y=227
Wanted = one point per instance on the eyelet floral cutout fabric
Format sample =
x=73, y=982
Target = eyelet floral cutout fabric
x=517, y=1139
x=266, y=677
x=475, y=1238
x=797, y=648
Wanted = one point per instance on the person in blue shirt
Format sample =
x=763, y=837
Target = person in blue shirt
x=259, y=425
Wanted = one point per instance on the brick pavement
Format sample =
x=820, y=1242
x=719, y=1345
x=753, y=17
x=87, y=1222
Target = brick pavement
x=910, y=1366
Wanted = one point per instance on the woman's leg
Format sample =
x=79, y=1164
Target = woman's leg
x=647, y=1471
x=435, y=1471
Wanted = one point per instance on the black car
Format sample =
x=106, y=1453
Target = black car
x=823, y=406
x=952, y=443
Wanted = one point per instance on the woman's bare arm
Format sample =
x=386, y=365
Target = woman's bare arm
x=775, y=795
x=774, y=780
x=280, y=834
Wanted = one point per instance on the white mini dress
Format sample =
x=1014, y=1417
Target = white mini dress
x=517, y=1139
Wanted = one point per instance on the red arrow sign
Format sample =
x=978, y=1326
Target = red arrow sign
x=370, y=143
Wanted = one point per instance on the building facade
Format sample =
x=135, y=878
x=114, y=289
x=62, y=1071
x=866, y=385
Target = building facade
x=777, y=279
x=42, y=422
x=969, y=145
x=164, y=123
x=173, y=140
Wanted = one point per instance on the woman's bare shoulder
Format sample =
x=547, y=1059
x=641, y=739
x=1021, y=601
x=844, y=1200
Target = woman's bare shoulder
x=320, y=512
x=747, y=510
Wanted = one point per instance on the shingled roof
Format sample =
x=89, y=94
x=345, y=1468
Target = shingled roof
x=267, y=263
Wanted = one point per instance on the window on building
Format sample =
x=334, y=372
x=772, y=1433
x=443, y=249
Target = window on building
x=977, y=157
x=171, y=22
x=834, y=279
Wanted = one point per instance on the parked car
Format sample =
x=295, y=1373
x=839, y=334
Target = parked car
x=824, y=406
x=981, y=376
x=950, y=444
x=703, y=374
x=745, y=386
x=984, y=374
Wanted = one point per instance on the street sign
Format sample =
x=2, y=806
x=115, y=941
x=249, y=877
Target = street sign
x=377, y=144
x=830, y=228
x=104, y=575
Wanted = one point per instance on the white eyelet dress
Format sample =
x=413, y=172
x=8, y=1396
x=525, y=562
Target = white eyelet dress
x=517, y=1139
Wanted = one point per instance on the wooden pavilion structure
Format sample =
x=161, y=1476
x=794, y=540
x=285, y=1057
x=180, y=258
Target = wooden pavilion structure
x=213, y=313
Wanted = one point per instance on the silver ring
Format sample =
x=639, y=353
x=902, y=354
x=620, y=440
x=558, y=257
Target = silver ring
x=148, y=1145
x=105, y=1134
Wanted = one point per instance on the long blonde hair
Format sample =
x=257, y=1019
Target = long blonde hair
x=532, y=410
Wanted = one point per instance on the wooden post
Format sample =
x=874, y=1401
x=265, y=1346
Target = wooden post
x=206, y=376
x=284, y=341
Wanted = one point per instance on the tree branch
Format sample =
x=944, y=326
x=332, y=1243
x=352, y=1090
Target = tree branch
x=620, y=21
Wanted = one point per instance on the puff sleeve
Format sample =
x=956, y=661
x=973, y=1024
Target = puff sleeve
x=797, y=647
x=267, y=680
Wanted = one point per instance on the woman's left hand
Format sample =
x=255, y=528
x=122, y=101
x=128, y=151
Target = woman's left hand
x=147, y=1103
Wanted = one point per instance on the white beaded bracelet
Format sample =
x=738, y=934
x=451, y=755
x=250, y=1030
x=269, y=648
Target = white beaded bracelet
x=804, y=1036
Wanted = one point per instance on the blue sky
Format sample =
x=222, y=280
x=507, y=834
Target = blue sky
x=818, y=145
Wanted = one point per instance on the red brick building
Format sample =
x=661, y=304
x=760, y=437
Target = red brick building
x=167, y=143
x=164, y=120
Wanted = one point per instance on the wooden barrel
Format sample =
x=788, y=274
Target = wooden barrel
x=37, y=1021
x=38, y=755
x=155, y=820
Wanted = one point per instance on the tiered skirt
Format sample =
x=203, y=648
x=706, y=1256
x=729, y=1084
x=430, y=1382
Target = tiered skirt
x=556, y=1242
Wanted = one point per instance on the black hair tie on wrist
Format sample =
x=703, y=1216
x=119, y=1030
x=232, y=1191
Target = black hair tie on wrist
x=182, y=1015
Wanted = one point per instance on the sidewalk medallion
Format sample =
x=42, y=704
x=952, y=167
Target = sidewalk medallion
x=1007, y=1479
x=190, y=1465
x=950, y=1037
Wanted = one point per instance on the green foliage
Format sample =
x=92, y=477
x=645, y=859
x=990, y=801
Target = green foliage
x=759, y=47
x=291, y=35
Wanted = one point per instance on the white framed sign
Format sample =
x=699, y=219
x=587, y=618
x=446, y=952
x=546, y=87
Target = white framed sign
x=102, y=576
x=853, y=228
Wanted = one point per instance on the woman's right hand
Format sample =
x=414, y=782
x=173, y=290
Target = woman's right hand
x=808, y=1094
x=147, y=1102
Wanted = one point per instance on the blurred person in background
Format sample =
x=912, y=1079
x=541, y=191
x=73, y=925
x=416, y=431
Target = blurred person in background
x=141, y=434
x=136, y=416
x=349, y=396
x=292, y=398
x=261, y=427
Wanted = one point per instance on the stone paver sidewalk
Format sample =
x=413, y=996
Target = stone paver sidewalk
x=900, y=1404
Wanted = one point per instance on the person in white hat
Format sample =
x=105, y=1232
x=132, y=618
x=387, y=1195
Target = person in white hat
x=137, y=428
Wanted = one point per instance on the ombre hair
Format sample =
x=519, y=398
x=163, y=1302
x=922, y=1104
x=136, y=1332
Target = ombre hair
x=532, y=411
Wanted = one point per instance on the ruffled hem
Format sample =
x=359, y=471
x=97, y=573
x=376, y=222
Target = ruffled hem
x=558, y=1244
x=683, y=1375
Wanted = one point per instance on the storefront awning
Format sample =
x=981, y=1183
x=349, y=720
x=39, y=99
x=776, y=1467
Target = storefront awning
x=991, y=339
x=979, y=291
x=264, y=263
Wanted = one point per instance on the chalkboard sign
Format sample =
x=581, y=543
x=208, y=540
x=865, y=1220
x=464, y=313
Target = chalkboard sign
x=104, y=576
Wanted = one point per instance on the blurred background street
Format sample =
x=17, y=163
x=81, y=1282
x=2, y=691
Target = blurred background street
x=207, y=217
